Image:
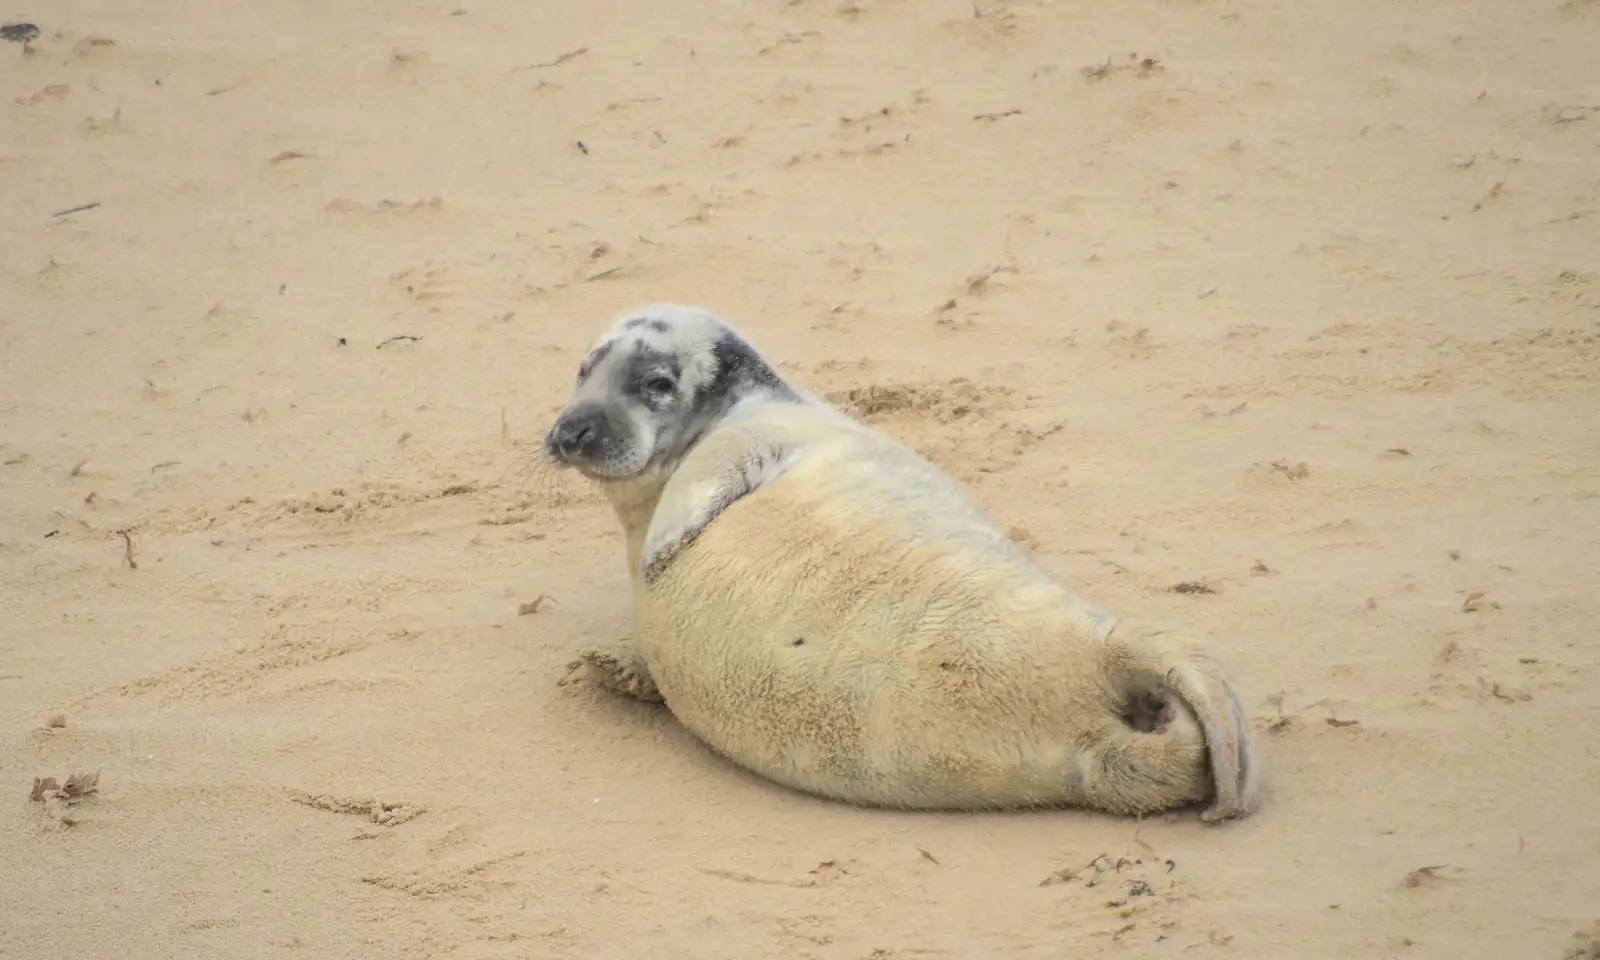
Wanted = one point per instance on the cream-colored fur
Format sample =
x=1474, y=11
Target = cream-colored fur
x=855, y=627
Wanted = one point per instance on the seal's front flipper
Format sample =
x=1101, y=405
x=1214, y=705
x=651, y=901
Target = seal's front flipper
x=625, y=674
x=679, y=519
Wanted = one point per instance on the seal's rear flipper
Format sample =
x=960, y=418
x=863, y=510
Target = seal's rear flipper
x=1179, y=699
x=1202, y=683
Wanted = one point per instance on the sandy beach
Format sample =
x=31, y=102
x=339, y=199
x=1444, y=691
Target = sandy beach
x=1280, y=321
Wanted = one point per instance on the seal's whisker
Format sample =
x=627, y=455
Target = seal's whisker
x=514, y=473
x=542, y=478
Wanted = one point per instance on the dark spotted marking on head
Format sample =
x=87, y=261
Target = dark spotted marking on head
x=654, y=324
x=755, y=469
x=740, y=371
x=645, y=361
x=740, y=366
x=594, y=357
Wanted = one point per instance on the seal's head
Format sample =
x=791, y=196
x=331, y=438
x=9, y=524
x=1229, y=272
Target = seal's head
x=651, y=387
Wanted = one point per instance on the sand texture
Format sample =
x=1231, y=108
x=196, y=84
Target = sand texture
x=1279, y=320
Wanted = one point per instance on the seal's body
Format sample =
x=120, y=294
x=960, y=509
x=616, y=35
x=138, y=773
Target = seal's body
x=828, y=609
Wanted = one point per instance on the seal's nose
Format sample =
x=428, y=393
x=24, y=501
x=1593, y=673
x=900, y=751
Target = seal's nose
x=572, y=436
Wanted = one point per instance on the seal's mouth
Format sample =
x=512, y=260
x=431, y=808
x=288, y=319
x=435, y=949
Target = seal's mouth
x=600, y=442
x=557, y=460
x=589, y=469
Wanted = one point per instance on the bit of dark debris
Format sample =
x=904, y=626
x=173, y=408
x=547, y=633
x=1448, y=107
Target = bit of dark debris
x=1105, y=864
x=127, y=549
x=23, y=33
x=1191, y=587
x=1136, y=888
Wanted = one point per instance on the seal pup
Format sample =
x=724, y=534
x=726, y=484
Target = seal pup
x=825, y=607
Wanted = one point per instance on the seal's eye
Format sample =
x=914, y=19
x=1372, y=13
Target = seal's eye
x=659, y=386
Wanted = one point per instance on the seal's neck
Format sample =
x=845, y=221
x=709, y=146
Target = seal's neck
x=634, y=502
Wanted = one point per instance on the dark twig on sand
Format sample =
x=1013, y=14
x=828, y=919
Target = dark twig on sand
x=127, y=549
x=78, y=209
x=398, y=336
x=558, y=61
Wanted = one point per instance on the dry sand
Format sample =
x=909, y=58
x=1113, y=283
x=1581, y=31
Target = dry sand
x=1299, y=302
